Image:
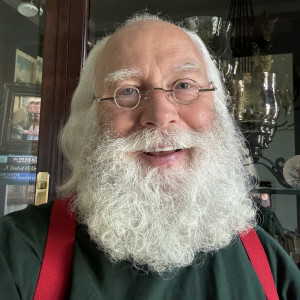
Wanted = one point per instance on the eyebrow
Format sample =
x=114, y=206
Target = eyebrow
x=189, y=67
x=121, y=74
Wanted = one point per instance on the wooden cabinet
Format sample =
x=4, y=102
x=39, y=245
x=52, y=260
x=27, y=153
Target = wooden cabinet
x=64, y=53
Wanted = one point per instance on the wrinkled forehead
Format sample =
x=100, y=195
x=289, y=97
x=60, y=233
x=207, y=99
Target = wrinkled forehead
x=135, y=43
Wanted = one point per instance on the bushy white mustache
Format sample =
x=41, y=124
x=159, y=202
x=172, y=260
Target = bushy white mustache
x=149, y=139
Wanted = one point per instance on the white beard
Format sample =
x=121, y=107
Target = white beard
x=161, y=219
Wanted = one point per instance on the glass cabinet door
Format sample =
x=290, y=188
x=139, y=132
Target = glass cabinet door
x=21, y=66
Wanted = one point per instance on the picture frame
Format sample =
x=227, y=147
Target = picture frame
x=38, y=71
x=25, y=67
x=20, y=115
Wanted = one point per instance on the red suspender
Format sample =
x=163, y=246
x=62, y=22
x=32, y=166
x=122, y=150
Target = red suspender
x=260, y=263
x=57, y=261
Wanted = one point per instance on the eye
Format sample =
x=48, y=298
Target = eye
x=127, y=96
x=186, y=90
x=127, y=91
x=185, y=84
x=182, y=85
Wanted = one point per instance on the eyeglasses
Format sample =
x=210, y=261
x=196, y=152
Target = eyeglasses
x=184, y=91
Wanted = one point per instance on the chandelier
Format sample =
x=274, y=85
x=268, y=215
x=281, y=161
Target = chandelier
x=237, y=48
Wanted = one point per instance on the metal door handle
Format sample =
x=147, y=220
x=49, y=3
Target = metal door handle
x=41, y=188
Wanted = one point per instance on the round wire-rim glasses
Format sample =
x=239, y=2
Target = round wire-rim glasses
x=185, y=91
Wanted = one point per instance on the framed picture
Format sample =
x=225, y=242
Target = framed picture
x=21, y=117
x=25, y=67
x=38, y=71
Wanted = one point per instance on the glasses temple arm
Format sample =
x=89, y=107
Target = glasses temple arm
x=207, y=90
x=105, y=99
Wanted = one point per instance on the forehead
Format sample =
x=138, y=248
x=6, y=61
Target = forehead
x=146, y=44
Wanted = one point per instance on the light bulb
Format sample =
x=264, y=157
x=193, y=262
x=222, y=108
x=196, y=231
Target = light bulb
x=27, y=9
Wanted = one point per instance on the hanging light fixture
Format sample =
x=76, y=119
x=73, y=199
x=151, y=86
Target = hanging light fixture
x=248, y=77
x=30, y=8
x=241, y=16
x=256, y=101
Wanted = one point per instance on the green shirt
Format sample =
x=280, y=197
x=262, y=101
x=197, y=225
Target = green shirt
x=227, y=274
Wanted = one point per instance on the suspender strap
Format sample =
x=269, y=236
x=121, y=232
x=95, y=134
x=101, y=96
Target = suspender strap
x=260, y=263
x=56, y=265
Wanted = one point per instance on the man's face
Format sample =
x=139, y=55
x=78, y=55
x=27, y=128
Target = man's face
x=37, y=108
x=31, y=108
x=157, y=54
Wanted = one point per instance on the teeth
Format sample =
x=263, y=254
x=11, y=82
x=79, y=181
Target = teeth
x=158, y=149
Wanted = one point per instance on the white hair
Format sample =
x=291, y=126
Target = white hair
x=83, y=115
x=120, y=75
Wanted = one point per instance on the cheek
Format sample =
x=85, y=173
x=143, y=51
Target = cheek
x=199, y=115
x=121, y=122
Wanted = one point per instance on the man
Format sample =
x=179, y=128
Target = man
x=158, y=182
x=21, y=121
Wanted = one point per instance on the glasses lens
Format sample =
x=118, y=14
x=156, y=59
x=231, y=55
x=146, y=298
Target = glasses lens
x=186, y=90
x=127, y=97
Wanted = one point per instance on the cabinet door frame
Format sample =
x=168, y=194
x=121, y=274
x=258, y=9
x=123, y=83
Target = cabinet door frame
x=65, y=49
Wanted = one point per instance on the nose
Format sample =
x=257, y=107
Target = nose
x=158, y=110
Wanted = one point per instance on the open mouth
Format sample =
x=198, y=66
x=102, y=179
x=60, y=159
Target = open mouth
x=169, y=156
x=161, y=151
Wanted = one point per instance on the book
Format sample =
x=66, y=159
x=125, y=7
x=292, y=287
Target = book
x=20, y=168
x=18, y=159
x=13, y=178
